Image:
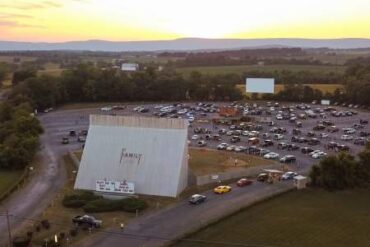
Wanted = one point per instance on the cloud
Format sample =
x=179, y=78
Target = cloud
x=11, y=16
x=14, y=24
x=27, y=5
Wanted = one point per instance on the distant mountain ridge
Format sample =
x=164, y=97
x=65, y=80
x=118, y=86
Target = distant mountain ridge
x=185, y=44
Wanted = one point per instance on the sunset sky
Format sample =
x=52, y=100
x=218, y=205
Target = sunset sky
x=65, y=20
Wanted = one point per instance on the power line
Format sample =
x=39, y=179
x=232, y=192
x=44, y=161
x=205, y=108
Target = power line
x=150, y=237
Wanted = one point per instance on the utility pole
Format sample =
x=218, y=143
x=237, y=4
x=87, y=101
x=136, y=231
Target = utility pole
x=9, y=232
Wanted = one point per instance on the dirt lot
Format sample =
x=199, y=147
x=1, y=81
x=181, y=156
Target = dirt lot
x=206, y=161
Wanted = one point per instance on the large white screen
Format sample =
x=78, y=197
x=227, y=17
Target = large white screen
x=260, y=85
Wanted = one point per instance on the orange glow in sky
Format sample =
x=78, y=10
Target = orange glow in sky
x=64, y=20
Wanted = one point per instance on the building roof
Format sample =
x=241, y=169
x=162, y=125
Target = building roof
x=134, y=121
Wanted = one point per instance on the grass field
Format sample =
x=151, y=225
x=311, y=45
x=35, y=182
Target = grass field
x=239, y=69
x=8, y=178
x=299, y=218
x=330, y=88
x=51, y=69
x=10, y=59
x=204, y=161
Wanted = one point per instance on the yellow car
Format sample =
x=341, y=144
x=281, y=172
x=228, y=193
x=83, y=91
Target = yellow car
x=222, y=189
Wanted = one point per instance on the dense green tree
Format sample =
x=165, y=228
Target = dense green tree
x=22, y=75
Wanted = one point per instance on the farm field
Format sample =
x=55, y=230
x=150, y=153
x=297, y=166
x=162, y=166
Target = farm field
x=325, y=88
x=10, y=59
x=306, y=218
x=51, y=69
x=216, y=70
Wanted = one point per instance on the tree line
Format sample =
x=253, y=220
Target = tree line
x=19, y=135
x=343, y=171
x=90, y=83
x=87, y=83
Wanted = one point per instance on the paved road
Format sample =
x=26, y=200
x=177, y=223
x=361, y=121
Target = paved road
x=45, y=181
x=34, y=197
x=169, y=224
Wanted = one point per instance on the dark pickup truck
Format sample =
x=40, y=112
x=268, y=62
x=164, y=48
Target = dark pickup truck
x=87, y=219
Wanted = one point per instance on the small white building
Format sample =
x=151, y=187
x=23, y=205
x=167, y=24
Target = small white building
x=135, y=155
x=300, y=182
x=130, y=67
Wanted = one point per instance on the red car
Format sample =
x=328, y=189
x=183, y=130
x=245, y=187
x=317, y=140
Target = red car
x=244, y=182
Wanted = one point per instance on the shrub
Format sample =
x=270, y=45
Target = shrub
x=106, y=205
x=79, y=199
x=29, y=234
x=102, y=205
x=133, y=204
x=21, y=242
x=73, y=232
x=45, y=224
x=74, y=203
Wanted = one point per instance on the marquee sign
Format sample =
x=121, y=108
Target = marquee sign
x=121, y=187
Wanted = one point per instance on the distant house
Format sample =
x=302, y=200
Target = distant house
x=130, y=67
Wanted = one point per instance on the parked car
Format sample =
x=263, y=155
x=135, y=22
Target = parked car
x=318, y=155
x=83, y=132
x=222, y=146
x=240, y=149
x=346, y=137
x=288, y=175
x=292, y=147
x=271, y=156
x=235, y=139
x=360, y=141
x=288, y=159
x=81, y=139
x=332, y=129
x=202, y=143
x=244, y=182
x=65, y=140
x=349, y=131
x=72, y=133
x=310, y=134
x=88, y=220
x=306, y=150
x=313, y=141
x=267, y=143
x=222, y=189
x=363, y=121
x=318, y=127
x=323, y=135
x=197, y=199
x=278, y=136
x=195, y=137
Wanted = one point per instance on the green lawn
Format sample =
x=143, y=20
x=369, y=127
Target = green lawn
x=8, y=178
x=299, y=218
x=216, y=70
